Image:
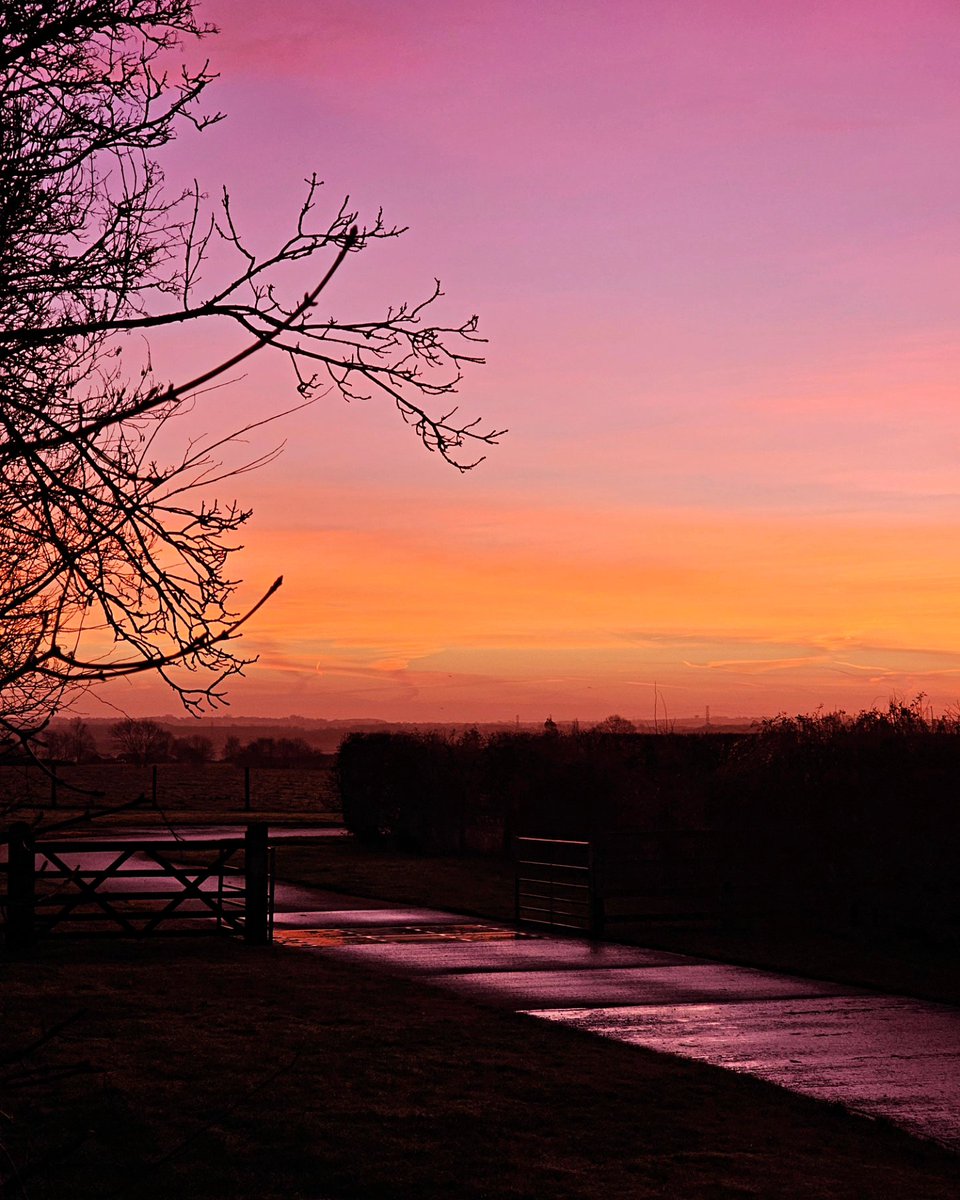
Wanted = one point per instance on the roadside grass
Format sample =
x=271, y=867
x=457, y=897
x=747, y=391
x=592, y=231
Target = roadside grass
x=199, y=1068
x=902, y=965
x=479, y=886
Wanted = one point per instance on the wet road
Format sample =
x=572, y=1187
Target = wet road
x=881, y=1055
x=186, y=833
x=884, y=1056
x=887, y=1056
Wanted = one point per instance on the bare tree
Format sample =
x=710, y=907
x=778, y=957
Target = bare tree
x=70, y=742
x=194, y=748
x=615, y=724
x=142, y=741
x=113, y=559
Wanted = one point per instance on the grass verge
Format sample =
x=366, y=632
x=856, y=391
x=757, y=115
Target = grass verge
x=198, y=1069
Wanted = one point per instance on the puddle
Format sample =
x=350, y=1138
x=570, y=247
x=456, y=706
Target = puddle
x=321, y=939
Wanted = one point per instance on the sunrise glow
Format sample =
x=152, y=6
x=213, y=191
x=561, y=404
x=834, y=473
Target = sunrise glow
x=715, y=249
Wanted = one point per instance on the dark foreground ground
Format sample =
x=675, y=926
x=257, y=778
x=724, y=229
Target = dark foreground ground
x=199, y=1068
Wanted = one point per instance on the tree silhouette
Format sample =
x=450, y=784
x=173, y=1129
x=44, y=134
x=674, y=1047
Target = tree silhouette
x=195, y=748
x=142, y=741
x=114, y=559
x=72, y=742
x=615, y=724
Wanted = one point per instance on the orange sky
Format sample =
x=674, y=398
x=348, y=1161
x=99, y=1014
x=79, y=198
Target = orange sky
x=580, y=612
x=716, y=250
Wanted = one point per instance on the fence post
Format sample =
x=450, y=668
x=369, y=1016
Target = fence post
x=246, y=788
x=256, y=927
x=21, y=888
x=516, y=880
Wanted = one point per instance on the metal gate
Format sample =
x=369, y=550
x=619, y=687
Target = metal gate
x=555, y=884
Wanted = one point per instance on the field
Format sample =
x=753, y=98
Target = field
x=185, y=790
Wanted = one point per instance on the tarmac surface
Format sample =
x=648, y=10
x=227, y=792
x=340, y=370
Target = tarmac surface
x=881, y=1056
x=186, y=832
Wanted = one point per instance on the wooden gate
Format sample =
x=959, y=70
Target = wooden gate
x=138, y=887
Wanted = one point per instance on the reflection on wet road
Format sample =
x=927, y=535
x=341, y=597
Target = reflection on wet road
x=885, y=1056
x=403, y=935
x=189, y=833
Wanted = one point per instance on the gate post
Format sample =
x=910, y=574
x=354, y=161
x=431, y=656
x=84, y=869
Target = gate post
x=21, y=888
x=595, y=882
x=256, y=926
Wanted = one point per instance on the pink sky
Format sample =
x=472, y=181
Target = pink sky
x=716, y=250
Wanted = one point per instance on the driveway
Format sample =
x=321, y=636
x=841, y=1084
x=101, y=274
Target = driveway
x=883, y=1056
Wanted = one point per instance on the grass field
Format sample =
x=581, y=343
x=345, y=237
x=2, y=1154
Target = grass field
x=181, y=791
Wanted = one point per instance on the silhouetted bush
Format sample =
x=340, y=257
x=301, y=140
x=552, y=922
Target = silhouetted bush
x=825, y=819
x=849, y=820
x=429, y=792
x=406, y=787
x=272, y=752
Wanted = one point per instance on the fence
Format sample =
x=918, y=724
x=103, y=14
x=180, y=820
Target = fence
x=173, y=787
x=138, y=887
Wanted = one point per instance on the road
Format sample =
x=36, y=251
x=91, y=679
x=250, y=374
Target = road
x=884, y=1056
x=154, y=833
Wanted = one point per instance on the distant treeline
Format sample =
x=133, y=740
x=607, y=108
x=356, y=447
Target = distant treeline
x=846, y=819
x=430, y=793
x=146, y=742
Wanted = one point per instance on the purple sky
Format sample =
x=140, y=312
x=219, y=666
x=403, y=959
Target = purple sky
x=715, y=249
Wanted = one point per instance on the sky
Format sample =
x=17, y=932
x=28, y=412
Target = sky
x=715, y=250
